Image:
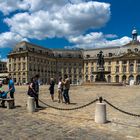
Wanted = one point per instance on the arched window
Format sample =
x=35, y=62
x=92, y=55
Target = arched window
x=86, y=78
x=117, y=78
x=123, y=77
x=109, y=79
x=91, y=78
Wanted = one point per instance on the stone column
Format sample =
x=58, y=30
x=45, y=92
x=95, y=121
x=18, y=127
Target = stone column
x=135, y=66
x=100, y=113
x=31, y=104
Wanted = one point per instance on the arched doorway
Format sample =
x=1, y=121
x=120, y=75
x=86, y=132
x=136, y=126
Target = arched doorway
x=138, y=79
x=109, y=79
x=124, y=78
x=91, y=78
x=86, y=78
x=131, y=80
x=117, y=78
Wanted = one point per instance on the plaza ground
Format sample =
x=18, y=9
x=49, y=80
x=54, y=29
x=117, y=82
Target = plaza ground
x=51, y=124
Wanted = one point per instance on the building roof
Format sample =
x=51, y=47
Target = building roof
x=90, y=53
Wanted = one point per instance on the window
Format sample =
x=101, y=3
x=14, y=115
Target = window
x=74, y=70
x=88, y=56
x=131, y=68
x=124, y=68
x=136, y=50
x=109, y=63
x=117, y=62
x=109, y=68
x=117, y=68
x=19, y=66
x=9, y=67
x=92, y=69
x=138, y=68
x=23, y=66
x=87, y=70
x=124, y=62
x=110, y=54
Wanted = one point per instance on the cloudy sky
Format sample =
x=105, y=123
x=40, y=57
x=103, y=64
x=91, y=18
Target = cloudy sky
x=67, y=23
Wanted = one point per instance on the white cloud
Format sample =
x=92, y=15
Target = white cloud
x=69, y=19
x=96, y=40
x=9, y=39
x=8, y=6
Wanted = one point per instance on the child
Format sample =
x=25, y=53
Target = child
x=3, y=94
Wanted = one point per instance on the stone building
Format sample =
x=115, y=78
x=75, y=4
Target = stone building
x=27, y=60
x=3, y=70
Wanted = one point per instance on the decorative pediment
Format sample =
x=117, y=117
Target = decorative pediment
x=130, y=55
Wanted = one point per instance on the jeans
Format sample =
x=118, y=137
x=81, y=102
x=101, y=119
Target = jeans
x=11, y=94
x=66, y=95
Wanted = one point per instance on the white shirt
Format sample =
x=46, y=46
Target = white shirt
x=59, y=85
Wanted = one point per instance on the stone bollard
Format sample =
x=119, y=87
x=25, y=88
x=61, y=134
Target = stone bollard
x=10, y=103
x=100, y=113
x=30, y=104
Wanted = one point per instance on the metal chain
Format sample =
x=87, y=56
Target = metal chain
x=128, y=113
x=69, y=109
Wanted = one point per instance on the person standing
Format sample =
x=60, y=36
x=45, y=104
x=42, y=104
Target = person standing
x=60, y=89
x=36, y=88
x=66, y=84
x=51, y=88
x=11, y=87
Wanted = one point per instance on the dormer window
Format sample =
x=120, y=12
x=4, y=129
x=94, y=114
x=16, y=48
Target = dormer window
x=136, y=49
x=59, y=55
x=88, y=56
x=128, y=50
x=80, y=56
x=40, y=51
x=110, y=54
x=20, y=49
x=69, y=55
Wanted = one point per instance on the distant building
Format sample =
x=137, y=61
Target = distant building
x=27, y=60
x=3, y=70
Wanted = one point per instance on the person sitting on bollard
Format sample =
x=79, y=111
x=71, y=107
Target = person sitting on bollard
x=51, y=88
x=3, y=94
x=32, y=91
x=60, y=90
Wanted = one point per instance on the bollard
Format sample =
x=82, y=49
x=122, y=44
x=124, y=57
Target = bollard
x=30, y=104
x=100, y=113
x=10, y=103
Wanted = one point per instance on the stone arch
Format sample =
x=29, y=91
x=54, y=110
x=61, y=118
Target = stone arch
x=124, y=78
x=138, y=79
x=117, y=78
x=86, y=78
x=109, y=79
x=131, y=79
x=91, y=78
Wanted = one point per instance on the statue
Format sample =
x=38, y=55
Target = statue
x=100, y=59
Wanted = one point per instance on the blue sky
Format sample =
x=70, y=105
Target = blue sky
x=67, y=23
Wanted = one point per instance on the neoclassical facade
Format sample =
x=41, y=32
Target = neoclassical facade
x=27, y=60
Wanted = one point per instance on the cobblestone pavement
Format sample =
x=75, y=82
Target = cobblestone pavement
x=50, y=124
